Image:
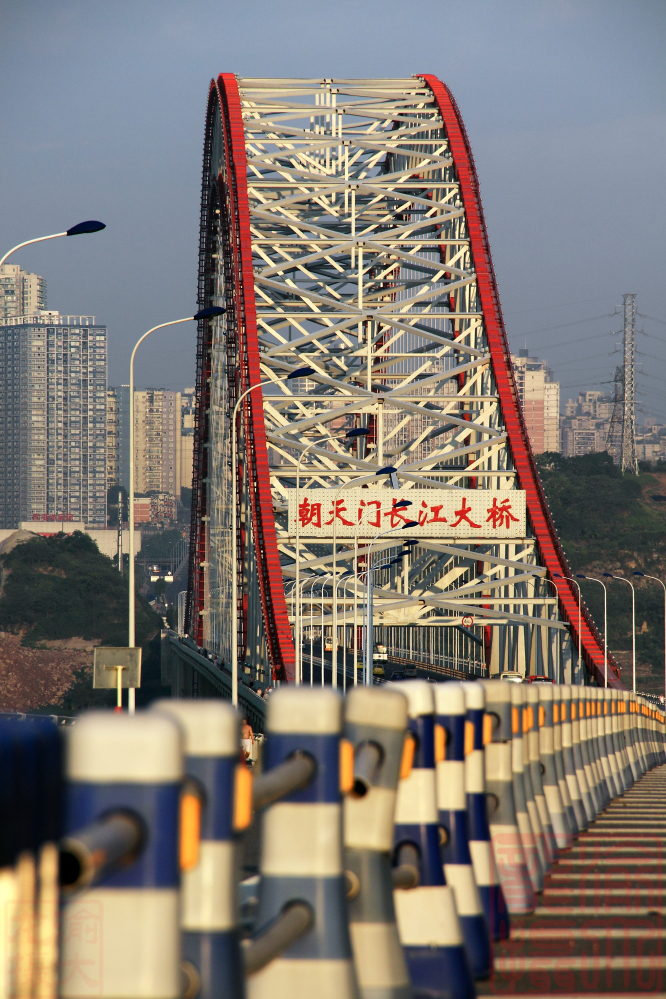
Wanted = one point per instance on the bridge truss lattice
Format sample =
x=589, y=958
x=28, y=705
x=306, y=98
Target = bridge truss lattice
x=342, y=229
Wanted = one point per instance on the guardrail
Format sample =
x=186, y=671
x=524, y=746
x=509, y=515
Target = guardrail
x=191, y=674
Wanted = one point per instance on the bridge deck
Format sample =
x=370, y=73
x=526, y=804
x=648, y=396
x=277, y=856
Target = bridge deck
x=600, y=923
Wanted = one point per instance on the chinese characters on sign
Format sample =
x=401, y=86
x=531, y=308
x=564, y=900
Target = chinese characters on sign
x=438, y=513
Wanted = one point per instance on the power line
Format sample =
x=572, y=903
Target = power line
x=563, y=305
x=653, y=318
x=577, y=322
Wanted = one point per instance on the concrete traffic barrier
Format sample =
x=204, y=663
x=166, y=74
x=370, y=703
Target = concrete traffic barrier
x=585, y=748
x=535, y=819
x=301, y=862
x=536, y=773
x=570, y=773
x=520, y=792
x=611, y=748
x=577, y=710
x=502, y=819
x=549, y=778
x=480, y=843
x=618, y=739
x=589, y=748
x=31, y=806
x=450, y=715
x=608, y=784
x=375, y=725
x=630, y=734
x=427, y=917
x=121, y=937
x=559, y=760
x=596, y=748
x=216, y=803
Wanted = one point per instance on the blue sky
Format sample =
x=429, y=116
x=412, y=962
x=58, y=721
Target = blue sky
x=564, y=102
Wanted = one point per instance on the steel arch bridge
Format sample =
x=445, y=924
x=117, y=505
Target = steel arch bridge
x=342, y=230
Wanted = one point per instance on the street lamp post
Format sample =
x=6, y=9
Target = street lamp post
x=546, y=580
x=76, y=230
x=356, y=432
x=656, y=578
x=208, y=313
x=571, y=579
x=369, y=636
x=633, y=622
x=298, y=373
x=579, y=575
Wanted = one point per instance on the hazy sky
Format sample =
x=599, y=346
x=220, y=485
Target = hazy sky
x=564, y=102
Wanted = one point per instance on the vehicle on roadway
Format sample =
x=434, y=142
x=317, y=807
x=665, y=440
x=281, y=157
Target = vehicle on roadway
x=512, y=676
x=398, y=675
x=411, y=672
x=379, y=653
x=378, y=670
x=538, y=679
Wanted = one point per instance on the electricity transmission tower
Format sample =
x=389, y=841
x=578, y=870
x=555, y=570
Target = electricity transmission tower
x=621, y=439
x=614, y=438
x=628, y=459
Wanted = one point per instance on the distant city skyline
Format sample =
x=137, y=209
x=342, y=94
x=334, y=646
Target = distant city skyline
x=570, y=153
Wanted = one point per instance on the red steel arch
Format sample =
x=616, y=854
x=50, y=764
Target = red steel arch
x=551, y=550
x=226, y=227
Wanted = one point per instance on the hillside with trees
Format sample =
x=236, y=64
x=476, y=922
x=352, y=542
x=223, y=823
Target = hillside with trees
x=613, y=522
x=60, y=597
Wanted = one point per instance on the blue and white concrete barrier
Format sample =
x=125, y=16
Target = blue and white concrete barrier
x=121, y=938
x=480, y=844
x=375, y=724
x=209, y=916
x=504, y=830
x=549, y=778
x=450, y=716
x=427, y=918
x=301, y=852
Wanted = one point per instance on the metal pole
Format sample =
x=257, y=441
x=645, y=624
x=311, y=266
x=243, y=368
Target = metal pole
x=323, y=641
x=131, y=702
x=297, y=622
x=580, y=644
x=633, y=623
x=661, y=582
x=234, y=546
x=28, y=242
x=601, y=583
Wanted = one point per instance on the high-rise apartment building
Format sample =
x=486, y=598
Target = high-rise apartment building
x=21, y=293
x=52, y=419
x=188, y=403
x=157, y=435
x=540, y=399
x=117, y=430
x=584, y=426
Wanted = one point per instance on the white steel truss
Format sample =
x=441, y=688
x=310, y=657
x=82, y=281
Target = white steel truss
x=363, y=272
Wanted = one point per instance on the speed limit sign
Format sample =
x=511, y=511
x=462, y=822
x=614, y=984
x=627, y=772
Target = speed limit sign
x=467, y=621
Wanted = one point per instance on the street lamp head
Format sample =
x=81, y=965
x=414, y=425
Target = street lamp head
x=402, y=503
x=301, y=373
x=579, y=575
x=558, y=575
x=91, y=226
x=357, y=432
x=411, y=541
x=411, y=523
x=387, y=470
x=639, y=573
x=609, y=574
x=210, y=312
